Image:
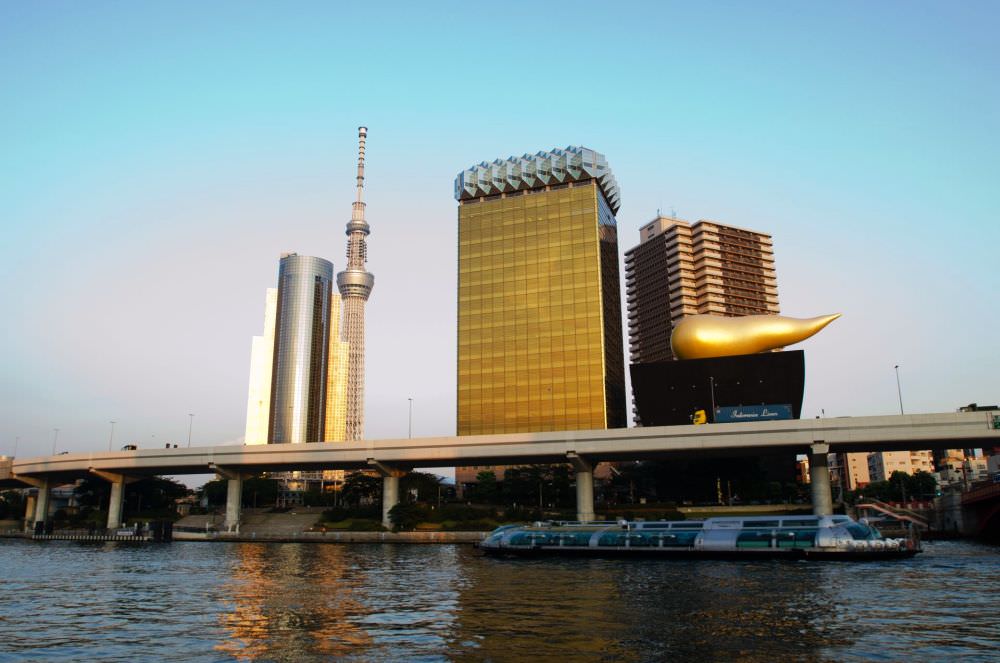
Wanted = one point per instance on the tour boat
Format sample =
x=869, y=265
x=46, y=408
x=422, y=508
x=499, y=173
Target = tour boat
x=808, y=537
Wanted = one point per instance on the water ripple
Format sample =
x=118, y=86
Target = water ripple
x=302, y=602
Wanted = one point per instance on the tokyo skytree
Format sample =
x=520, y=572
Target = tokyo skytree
x=355, y=285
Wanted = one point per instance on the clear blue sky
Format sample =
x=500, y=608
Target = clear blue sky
x=157, y=157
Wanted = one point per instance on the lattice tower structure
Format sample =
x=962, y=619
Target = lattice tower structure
x=355, y=284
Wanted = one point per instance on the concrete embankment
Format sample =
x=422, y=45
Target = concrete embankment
x=262, y=525
x=337, y=537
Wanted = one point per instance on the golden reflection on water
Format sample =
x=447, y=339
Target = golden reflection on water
x=298, y=602
x=314, y=602
x=293, y=601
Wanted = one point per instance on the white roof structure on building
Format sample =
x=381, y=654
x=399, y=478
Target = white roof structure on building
x=534, y=171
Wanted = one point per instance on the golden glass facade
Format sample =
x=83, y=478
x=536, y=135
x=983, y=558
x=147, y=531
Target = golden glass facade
x=336, y=379
x=539, y=312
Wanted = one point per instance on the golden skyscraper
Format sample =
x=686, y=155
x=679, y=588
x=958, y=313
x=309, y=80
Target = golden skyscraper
x=539, y=309
x=335, y=424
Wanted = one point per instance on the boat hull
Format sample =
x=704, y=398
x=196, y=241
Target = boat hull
x=667, y=553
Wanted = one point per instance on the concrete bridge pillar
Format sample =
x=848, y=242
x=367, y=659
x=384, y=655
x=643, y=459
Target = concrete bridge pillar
x=29, y=511
x=234, y=497
x=584, y=487
x=390, y=497
x=115, y=503
x=42, y=502
x=234, y=503
x=819, y=479
x=36, y=507
x=117, y=498
x=390, y=487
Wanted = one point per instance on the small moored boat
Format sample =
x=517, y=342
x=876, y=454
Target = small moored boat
x=809, y=537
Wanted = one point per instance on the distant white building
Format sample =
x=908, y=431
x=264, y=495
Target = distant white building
x=881, y=464
x=962, y=473
x=851, y=468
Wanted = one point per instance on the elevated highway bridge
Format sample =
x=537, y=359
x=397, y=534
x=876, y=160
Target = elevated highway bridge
x=392, y=458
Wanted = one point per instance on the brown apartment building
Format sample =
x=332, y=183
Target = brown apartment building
x=683, y=269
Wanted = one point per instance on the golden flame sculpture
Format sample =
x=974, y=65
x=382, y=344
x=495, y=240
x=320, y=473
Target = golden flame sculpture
x=703, y=336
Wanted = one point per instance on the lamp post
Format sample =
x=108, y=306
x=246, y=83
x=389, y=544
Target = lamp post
x=711, y=386
x=112, y=436
x=899, y=390
x=55, y=438
x=16, y=440
x=409, y=428
x=190, y=426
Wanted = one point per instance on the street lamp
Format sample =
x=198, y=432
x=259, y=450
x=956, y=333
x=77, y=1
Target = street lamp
x=899, y=390
x=112, y=436
x=16, y=440
x=711, y=386
x=409, y=428
x=190, y=426
x=55, y=438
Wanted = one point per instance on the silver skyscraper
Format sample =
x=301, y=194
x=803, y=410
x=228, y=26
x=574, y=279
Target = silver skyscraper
x=355, y=284
x=298, y=392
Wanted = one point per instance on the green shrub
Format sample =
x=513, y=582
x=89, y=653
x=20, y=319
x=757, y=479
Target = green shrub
x=405, y=516
x=336, y=514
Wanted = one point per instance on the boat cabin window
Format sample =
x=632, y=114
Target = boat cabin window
x=799, y=523
x=861, y=532
x=760, y=523
x=753, y=540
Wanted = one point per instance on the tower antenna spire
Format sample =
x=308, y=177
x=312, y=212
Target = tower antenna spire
x=362, y=135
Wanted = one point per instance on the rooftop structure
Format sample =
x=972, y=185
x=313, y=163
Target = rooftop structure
x=538, y=171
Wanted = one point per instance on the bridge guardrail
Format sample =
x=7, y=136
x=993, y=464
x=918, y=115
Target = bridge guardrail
x=981, y=493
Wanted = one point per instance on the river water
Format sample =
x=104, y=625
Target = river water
x=303, y=602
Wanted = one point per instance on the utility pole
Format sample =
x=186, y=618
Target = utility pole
x=711, y=386
x=899, y=390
